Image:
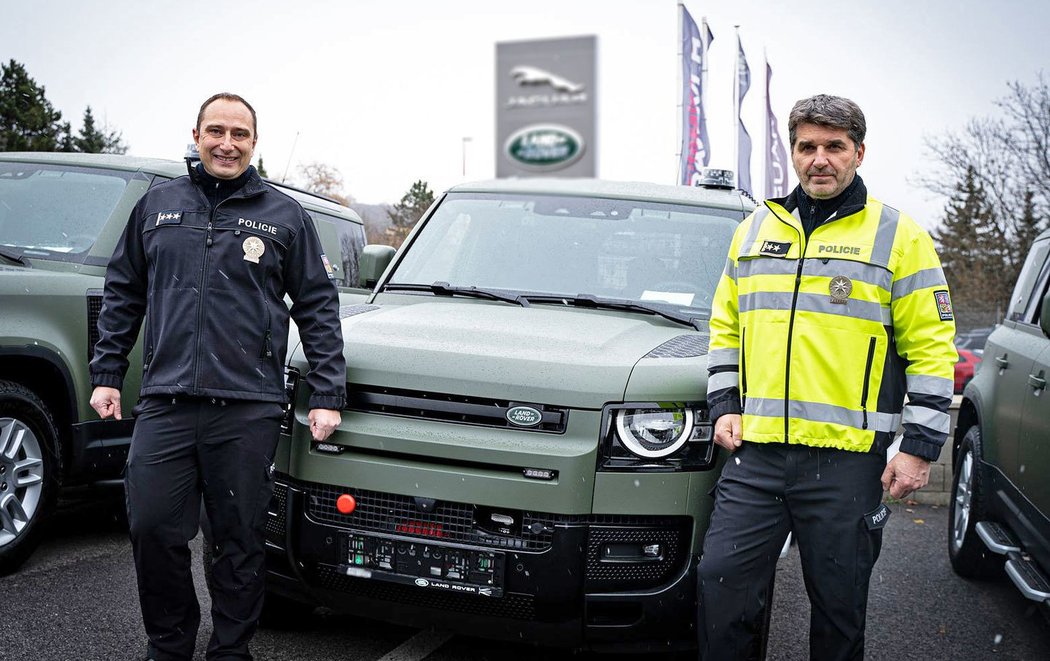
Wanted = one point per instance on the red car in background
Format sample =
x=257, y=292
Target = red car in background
x=964, y=368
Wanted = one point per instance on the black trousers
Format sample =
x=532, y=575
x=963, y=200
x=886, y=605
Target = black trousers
x=831, y=500
x=183, y=450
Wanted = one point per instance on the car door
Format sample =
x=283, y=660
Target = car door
x=1034, y=432
x=1011, y=352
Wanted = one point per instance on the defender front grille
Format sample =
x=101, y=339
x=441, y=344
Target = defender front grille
x=447, y=521
x=451, y=408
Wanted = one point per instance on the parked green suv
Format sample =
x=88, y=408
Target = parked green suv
x=1000, y=512
x=60, y=218
x=526, y=452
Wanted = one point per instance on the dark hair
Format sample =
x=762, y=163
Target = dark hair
x=228, y=96
x=825, y=110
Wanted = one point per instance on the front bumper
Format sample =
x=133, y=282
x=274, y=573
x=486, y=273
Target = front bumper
x=580, y=581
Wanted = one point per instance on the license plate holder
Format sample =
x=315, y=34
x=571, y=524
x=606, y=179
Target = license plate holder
x=424, y=564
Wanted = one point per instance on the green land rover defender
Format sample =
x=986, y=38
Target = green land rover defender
x=525, y=452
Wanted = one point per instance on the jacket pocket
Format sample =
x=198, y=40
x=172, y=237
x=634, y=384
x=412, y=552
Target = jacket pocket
x=867, y=380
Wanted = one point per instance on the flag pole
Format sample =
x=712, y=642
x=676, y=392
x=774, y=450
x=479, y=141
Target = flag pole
x=736, y=105
x=678, y=93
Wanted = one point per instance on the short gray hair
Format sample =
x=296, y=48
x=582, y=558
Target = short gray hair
x=825, y=110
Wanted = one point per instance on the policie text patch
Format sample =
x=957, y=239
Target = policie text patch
x=944, y=304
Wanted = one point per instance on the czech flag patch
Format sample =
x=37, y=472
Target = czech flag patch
x=944, y=305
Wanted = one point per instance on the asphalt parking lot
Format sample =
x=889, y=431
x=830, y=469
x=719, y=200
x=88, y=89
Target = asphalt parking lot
x=76, y=599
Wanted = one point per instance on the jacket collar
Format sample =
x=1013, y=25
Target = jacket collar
x=854, y=202
x=248, y=184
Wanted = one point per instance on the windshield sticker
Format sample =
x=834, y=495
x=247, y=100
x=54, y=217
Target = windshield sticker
x=675, y=297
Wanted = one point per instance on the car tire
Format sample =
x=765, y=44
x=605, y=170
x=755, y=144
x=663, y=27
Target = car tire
x=30, y=472
x=969, y=556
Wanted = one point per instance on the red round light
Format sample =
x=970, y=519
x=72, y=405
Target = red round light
x=345, y=504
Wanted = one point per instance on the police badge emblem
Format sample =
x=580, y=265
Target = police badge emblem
x=841, y=287
x=253, y=249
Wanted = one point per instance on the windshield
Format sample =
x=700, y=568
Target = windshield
x=55, y=211
x=664, y=254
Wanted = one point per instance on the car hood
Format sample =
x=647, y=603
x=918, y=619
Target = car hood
x=542, y=354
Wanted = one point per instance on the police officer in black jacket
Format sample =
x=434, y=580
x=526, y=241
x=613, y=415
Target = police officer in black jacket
x=205, y=262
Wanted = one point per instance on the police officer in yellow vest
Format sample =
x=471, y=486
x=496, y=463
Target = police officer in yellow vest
x=832, y=308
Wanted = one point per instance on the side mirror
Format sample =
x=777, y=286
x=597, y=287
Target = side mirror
x=374, y=260
x=1044, y=315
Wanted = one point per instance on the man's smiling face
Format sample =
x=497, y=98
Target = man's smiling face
x=225, y=139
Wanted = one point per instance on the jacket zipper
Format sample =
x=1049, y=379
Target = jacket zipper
x=867, y=376
x=791, y=326
x=200, y=303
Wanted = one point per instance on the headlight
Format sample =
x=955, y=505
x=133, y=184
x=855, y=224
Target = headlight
x=653, y=433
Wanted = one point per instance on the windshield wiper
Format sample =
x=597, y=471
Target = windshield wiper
x=591, y=301
x=444, y=289
x=13, y=256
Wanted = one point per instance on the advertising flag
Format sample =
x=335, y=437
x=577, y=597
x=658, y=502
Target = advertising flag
x=776, y=157
x=695, y=148
x=743, y=140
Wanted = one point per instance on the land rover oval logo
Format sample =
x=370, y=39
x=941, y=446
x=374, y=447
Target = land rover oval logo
x=545, y=147
x=524, y=416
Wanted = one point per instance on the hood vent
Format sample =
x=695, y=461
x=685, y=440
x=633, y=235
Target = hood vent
x=683, y=346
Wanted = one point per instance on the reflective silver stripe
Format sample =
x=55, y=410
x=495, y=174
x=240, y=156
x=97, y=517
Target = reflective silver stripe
x=923, y=279
x=931, y=385
x=929, y=418
x=814, y=412
x=730, y=269
x=765, y=300
x=854, y=309
x=752, y=232
x=856, y=271
x=884, y=235
x=722, y=380
x=770, y=266
x=723, y=358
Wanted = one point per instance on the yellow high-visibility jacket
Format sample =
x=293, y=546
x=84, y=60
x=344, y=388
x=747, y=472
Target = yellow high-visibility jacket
x=818, y=340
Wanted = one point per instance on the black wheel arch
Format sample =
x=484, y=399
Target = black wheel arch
x=968, y=416
x=45, y=373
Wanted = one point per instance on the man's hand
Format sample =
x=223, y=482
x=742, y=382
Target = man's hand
x=323, y=422
x=106, y=402
x=904, y=474
x=728, y=432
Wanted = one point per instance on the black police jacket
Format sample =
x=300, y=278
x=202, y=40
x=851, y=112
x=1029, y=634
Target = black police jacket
x=211, y=286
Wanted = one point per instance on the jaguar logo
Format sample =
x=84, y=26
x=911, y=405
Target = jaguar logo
x=526, y=75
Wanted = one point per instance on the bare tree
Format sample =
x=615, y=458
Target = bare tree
x=324, y=179
x=1005, y=160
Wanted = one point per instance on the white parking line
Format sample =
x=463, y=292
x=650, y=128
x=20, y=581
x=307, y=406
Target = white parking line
x=418, y=647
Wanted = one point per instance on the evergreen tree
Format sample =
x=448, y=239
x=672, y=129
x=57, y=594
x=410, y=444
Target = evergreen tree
x=405, y=214
x=66, y=141
x=93, y=140
x=973, y=254
x=28, y=122
x=261, y=168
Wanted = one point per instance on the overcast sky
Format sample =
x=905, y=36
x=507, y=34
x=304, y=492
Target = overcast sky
x=387, y=91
